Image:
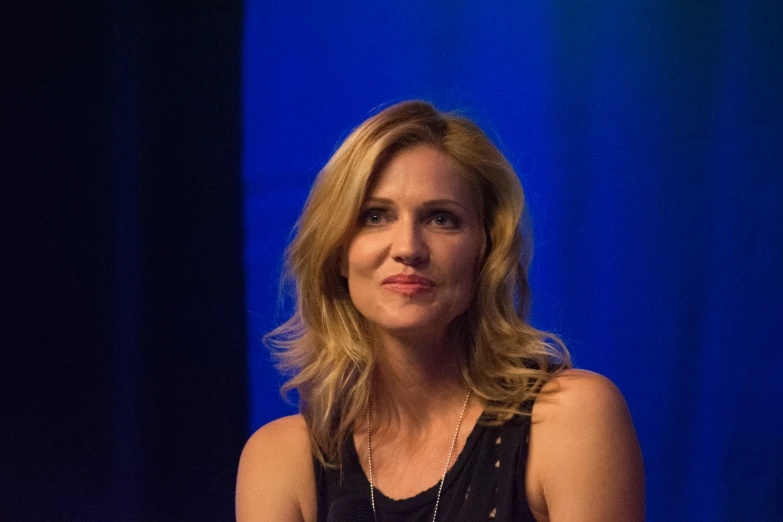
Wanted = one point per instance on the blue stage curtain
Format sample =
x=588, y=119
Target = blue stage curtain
x=648, y=136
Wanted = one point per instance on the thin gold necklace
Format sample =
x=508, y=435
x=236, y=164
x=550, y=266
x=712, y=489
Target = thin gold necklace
x=448, y=460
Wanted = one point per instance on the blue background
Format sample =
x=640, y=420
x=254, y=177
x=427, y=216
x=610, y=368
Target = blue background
x=648, y=137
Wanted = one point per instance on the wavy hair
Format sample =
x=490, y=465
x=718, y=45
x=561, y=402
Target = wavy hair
x=325, y=347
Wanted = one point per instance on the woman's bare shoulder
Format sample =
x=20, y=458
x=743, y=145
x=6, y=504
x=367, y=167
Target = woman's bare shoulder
x=584, y=462
x=572, y=390
x=275, y=480
x=288, y=430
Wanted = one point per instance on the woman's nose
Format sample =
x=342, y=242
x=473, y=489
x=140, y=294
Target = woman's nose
x=409, y=246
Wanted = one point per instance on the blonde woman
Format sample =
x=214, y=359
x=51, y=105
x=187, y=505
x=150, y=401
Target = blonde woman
x=425, y=394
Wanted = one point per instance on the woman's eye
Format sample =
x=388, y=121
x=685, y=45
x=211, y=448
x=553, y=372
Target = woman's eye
x=373, y=217
x=444, y=219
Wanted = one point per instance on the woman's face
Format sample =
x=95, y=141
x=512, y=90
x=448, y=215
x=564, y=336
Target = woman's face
x=413, y=262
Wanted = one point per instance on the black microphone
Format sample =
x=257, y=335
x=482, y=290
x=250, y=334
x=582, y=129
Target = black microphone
x=351, y=508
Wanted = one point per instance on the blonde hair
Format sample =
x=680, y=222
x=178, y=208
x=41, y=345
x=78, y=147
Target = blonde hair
x=326, y=345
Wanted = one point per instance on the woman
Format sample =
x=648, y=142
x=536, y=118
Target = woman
x=424, y=393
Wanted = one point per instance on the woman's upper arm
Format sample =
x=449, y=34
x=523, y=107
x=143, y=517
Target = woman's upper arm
x=275, y=481
x=585, y=463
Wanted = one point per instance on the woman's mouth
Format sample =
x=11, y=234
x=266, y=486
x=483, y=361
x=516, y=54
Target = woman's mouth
x=408, y=285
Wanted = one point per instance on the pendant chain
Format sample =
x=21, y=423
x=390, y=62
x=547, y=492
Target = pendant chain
x=445, y=470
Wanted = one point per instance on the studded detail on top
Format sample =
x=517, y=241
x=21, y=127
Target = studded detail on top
x=487, y=481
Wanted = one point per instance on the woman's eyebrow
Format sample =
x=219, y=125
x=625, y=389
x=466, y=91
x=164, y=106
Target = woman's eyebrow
x=378, y=201
x=442, y=202
x=427, y=204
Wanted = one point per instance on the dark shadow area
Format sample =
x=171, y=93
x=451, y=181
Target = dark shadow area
x=126, y=394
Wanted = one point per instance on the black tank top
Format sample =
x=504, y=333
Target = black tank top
x=487, y=482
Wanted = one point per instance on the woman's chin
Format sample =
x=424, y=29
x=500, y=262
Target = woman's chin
x=413, y=329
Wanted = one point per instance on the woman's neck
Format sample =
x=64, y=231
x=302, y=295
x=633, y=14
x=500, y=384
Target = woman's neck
x=416, y=380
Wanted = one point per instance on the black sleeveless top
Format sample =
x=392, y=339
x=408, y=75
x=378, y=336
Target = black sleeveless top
x=487, y=482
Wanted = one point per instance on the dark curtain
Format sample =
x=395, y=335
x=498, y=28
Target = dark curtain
x=125, y=394
x=649, y=137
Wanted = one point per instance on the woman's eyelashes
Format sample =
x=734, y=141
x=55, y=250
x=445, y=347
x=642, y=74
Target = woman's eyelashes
x=443, y=219
x=373, y=217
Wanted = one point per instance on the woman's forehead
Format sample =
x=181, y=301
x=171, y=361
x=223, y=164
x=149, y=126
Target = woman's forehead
x=419, y=174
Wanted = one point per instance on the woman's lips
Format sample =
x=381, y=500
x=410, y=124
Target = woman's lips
x=408, y=285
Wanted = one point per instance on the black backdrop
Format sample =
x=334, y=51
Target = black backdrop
x=125, y=394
